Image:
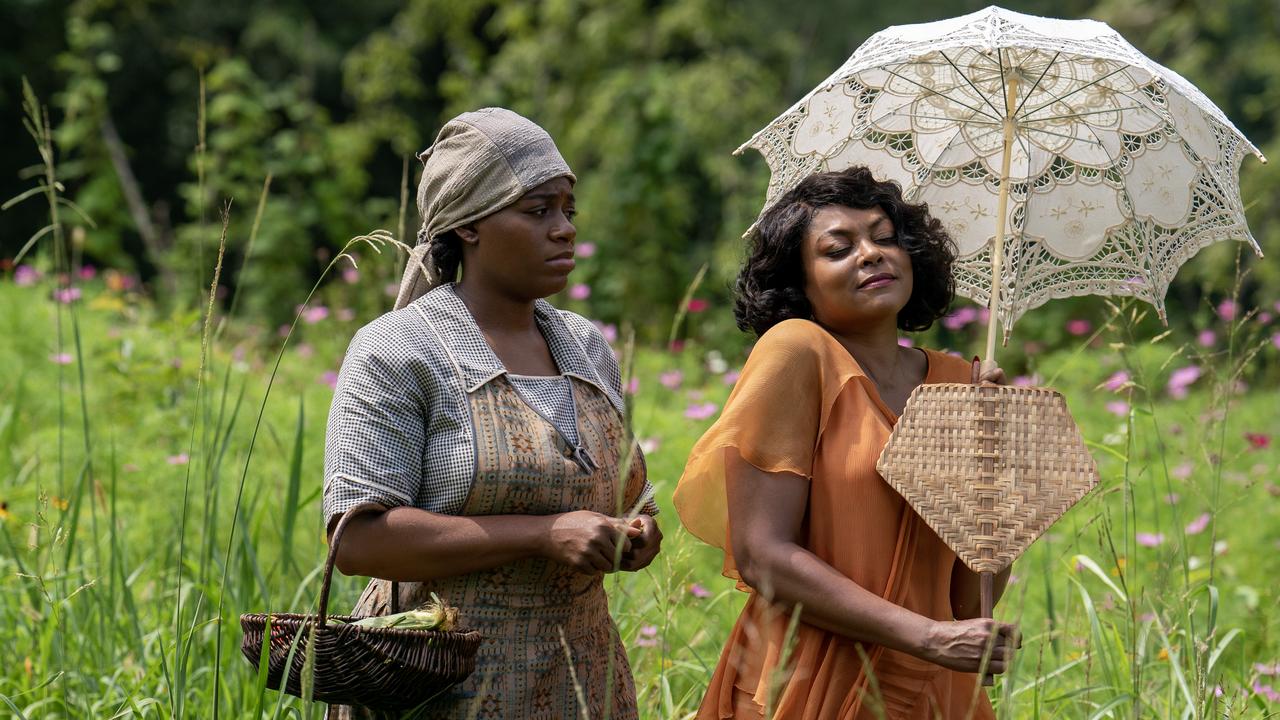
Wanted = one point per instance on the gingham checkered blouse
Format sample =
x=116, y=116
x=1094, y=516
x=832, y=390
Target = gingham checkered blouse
x=399, y=430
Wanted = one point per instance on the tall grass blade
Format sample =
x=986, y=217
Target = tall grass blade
x=295, y=479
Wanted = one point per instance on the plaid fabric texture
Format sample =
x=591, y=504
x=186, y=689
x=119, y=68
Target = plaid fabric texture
x=399, y=429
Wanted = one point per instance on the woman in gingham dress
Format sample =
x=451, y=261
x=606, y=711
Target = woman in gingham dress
x=489, y=425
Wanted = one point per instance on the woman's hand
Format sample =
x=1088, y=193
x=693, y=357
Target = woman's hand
x=990, y=372
x=587, y=541
x=645, y=546
x=960, y=644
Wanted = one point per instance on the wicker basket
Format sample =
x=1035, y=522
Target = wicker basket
x=378, y=668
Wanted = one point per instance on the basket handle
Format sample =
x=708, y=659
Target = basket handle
x=333, y=556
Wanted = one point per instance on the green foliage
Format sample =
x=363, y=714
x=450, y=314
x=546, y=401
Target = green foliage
x=92, y=566
x=1230, y=51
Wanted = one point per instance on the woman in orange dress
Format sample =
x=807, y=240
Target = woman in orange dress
x=857, y=609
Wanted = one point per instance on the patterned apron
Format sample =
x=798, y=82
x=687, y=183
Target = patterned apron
x=535, y=613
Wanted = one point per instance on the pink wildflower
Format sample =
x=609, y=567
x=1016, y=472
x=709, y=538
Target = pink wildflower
x=580, y=291
x=1172, y=498
x=350, y=275
x=1118, y=407
x=330, y=378
x=697, y=305
x=88, y=272
x=66, y=296
x=1150, y=539
x=315, y=314
x=179, y=459
x=585, y=249
x=671, y=379
x=650, y=445
x=1079, y=327
x=731, y=377
x=1265, y=669
x=61, y=359
x=1182, y=471
x=1207, y=338
x=1180, y=379
x=1197, y=526
x=1117, y=380
x=1258, y=441
x=700, y=411
x=1227, y=310
x=699, y=592
x=1265, y=691
x=608, y=330
x=960, y=318
x=25, y=275
x=345, y=314
x=633, y=386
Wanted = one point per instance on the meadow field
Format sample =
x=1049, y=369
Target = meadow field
x=153, y=490
x=163, y=404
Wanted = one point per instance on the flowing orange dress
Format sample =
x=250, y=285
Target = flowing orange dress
x=803, y=406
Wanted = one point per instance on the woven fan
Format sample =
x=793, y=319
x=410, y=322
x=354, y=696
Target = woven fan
x=989, y=468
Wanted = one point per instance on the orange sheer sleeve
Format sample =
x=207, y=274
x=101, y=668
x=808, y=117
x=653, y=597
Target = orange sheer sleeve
x=773, y=419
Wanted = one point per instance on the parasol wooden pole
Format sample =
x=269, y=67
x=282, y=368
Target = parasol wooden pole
x=986, y=580
x=1002, y=207
x=986, y=598
x=986, y=479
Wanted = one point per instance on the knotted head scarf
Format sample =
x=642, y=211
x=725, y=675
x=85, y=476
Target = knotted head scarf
x=481, y=162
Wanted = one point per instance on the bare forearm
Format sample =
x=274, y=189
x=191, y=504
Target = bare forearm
x=408, y=544
x=965, y=591
x=790, y=575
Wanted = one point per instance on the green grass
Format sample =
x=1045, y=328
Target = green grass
x=123, y=572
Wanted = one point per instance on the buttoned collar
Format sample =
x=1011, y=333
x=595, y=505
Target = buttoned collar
x=475, y=360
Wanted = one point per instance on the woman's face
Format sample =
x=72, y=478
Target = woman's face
x=856, y=273
x=526, y=248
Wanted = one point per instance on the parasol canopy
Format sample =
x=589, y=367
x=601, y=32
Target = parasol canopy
x=1101, y=170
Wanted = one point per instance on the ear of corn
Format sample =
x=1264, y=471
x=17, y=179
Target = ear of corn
x=435, y=615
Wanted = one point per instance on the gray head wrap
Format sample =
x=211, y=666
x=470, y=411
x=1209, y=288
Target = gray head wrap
x=481, y=162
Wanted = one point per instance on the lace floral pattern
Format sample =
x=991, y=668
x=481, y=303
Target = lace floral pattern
x=1120, y=169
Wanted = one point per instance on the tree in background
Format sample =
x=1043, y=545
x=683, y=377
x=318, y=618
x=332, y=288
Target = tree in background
x=646, y=98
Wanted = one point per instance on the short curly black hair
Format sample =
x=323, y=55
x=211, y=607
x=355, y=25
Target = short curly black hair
x=770, y=286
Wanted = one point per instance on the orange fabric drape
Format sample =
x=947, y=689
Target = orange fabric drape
x=802, y=405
